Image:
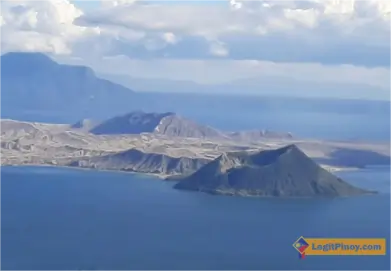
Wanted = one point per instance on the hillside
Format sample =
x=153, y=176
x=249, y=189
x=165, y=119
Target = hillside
x=84, y=124
x=168, y=124
x=256, y=135
x=173, y=125
x=137, y=161
x=283, y=172
x=44, y=143
x=34, y=82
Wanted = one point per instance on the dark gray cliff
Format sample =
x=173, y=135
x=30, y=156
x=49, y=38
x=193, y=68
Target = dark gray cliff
x=284, y=172
x=137, y=161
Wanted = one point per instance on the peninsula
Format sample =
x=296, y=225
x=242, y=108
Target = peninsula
x=173, y=147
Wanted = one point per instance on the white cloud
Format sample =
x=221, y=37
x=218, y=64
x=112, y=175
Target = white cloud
x=345, y=41
x=326, y=31
x=218, y=48
x=115, y=3
x=46, y=26
x=313, y=31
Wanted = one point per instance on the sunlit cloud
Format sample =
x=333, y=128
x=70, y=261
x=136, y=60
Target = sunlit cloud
x=321, y=40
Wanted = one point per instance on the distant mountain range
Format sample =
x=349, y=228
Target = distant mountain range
x=169, y=124
x=283, y=172
x=33, y=81
x=36, y=88
x=279, y=86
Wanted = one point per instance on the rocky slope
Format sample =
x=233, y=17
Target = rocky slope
x=283, y=172
x=168, y=124
x=44, y=143
x=137, y=161
x=173, y=125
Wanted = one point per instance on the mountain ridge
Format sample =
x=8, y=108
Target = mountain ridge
x=33, y=81
x=168, y=124
x=174, y=125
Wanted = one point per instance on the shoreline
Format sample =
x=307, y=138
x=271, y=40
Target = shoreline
x=163, y=177
x=338, y=169
x=160, y=177
x=157, y=176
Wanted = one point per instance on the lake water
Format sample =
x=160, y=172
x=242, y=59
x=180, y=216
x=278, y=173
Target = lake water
x=304, y=117
x=58, y=218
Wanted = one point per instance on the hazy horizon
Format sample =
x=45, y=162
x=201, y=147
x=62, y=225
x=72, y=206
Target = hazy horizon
x=332, y=49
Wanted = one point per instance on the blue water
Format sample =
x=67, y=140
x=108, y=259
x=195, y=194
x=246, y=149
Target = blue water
x=57, y=218
x=304, y=117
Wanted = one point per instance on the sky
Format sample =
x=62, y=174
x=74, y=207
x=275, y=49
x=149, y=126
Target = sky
x=338, y=41
x=89, y=4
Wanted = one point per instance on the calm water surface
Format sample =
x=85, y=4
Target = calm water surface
x=57, y=218
x=304, y=117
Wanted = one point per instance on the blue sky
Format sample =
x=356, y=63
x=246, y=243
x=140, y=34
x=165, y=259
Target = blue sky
x=87, y=5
